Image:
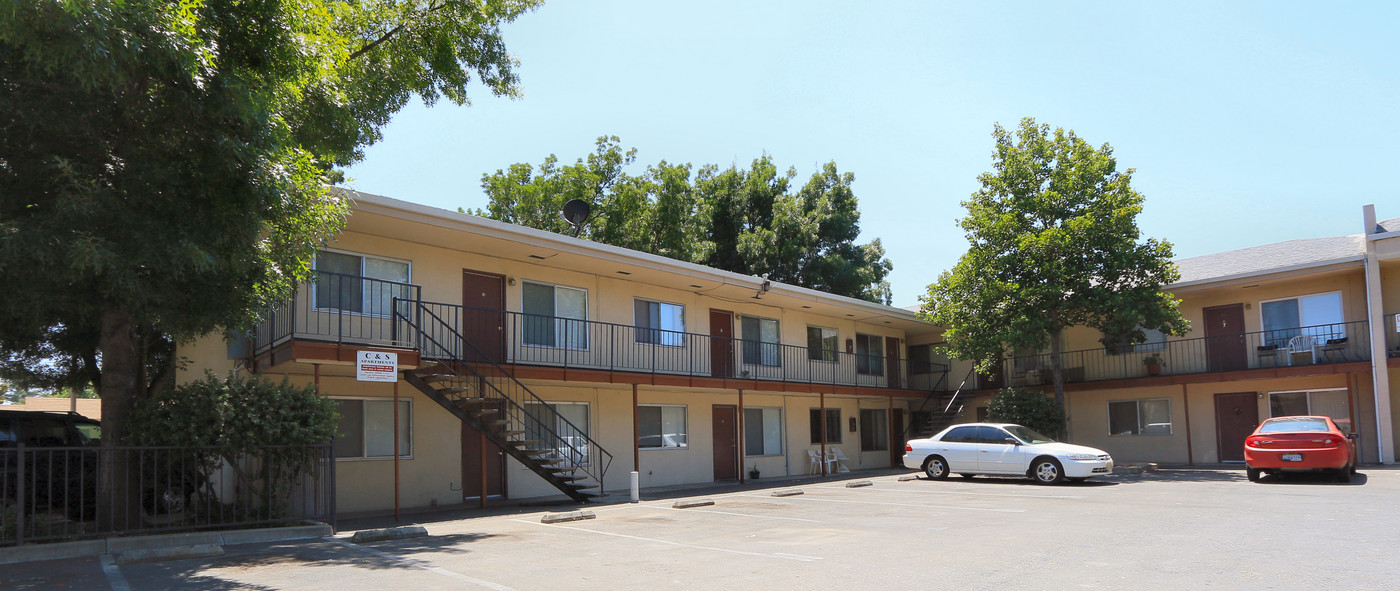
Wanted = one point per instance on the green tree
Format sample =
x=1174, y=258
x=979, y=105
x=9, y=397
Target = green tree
x=163, y=165
x=1024, y=406
x=746, y=220
x=1053, y=243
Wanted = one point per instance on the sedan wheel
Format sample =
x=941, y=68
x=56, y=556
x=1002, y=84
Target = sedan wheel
x=936, y=468
x=1047, y=471
x=1254, y=474
x=1344, y=474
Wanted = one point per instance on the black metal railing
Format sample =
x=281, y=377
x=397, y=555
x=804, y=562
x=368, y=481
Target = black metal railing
x=1308, y=345
x=476, y=368
x=530, y=339
x=339, y=308
x=53, y=493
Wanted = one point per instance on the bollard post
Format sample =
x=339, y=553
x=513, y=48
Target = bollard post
x=636, y=486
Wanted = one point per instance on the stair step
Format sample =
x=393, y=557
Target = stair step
x=509, y=434
x=525, y=442
x=435, y=377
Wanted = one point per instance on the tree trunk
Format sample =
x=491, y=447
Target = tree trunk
x=1057, y=372
x=118, y=492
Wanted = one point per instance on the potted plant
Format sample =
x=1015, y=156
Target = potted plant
x=753, y=473
x=1153, y=363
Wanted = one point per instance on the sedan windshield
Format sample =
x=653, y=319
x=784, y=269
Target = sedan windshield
x=1028, y=435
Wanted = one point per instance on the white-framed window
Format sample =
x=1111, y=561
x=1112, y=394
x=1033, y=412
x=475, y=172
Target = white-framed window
x=566, y=420
x=870, y=355
x=1329, y=403
x=832, y=424
x=874, y=430
x=1318, y=316
x=360, y=284
x=821, y=343
x=760, y=340
x=661, y=427
x=366, y=428
x=1148, y=416
x=554, y=316
x=763, y=432
x=659, y=323
x=1153, y=340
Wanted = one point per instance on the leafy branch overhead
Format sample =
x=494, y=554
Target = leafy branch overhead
x=164, y=165
x=1053, y=242
x=754, y=221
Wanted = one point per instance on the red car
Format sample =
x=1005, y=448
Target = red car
x=1300, y=444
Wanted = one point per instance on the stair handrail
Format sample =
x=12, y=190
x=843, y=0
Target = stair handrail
x=948, y=407
x=603, y=459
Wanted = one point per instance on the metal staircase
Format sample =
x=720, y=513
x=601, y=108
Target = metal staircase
x=487, y=397
x=926, y=423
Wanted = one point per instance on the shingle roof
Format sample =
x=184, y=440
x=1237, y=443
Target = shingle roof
x=1258, y=260
x=1390, y=225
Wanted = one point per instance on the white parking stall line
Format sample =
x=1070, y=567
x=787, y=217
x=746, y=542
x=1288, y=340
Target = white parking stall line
x=779, y=555
x=744, y=515
x=424, y=566
x=114, y=574
x=843, y=488
x=951, y=507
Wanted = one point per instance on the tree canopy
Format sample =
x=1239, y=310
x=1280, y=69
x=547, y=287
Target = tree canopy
x=1053, y=243
x=163, y=165
x=753, y=220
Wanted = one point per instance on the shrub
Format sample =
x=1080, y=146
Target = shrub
x=235, y=422
x=1032, y=408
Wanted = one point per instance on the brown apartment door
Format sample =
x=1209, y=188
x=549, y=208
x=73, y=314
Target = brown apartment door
x=1236, y=416
x=892, y=368
x=721, y=343
x=1225, y=338
x=726, y=434
x=481, y=459
x=483, y=322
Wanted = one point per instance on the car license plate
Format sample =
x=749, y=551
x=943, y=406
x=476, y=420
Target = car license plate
x=1291, y=457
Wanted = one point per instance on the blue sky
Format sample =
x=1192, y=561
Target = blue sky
x=1247, y=123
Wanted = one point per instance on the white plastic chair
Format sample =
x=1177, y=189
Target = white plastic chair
x=815, y=465
x=837, y=457
x=1301, y=344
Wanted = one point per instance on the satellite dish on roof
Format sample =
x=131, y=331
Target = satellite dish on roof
x=575, y=212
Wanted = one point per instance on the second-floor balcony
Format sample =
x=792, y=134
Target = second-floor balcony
x=356, y=311
x=1306, y=349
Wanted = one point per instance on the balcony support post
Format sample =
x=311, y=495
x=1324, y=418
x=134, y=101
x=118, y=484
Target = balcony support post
x=1375, y=316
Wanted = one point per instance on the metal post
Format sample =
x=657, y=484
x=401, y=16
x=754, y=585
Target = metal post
x=821, y=426
x=740, y=422
x=19, y=497
x=396, y=449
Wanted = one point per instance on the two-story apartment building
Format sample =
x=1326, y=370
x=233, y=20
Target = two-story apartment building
x=1299, y=327
x=533, y=364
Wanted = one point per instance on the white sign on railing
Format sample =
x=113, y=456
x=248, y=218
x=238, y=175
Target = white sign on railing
x=376, y=366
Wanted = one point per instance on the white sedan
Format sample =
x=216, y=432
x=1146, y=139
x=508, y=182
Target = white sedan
x=1005, y=449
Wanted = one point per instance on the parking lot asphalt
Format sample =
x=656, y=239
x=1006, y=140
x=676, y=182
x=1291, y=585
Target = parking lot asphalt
x=1170, y=529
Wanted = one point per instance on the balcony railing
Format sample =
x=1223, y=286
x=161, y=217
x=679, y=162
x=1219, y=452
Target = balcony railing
x=528, y=339
x=338, y=308
x=1293, y=347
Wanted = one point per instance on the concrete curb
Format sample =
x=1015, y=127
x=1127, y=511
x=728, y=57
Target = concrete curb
x=694, y=503
x=908, y=478
x=859, y=483
x=392, y=533
x=791, y=492
x=1133, y=469
x=172, y=544
x=570, y=516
